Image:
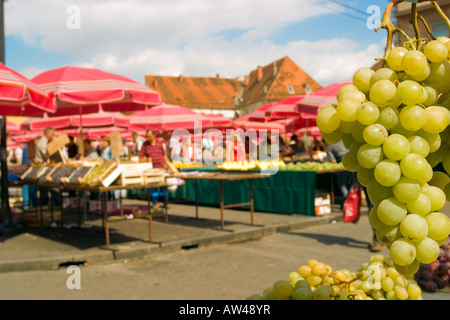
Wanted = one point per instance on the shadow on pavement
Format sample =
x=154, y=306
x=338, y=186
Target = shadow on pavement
x=330, y=240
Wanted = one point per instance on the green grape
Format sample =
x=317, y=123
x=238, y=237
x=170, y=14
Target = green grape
x=438, y=225
x=387, y=284
x=411, y=93
x=396, y=147
x=346, y=127
x=324, y=292
x=414, y=62
x=439, y=75
x=368, y=155
x=302, y=294
x=421, y=77
x=349, y=163
x=414, y=292
x=409, y=270
x=414, y=166
x=327, y=119
x=382, y=93
x=361, y=79
x=301, y=284
x=435, y=51
x=401, y=293
x=412, y=117
x=428, y=175
x=446, y=160
x=255, y=296
x=375, y=134
x=433, y=139
x=346, y=109
x=347, y=140
x=402, y=252
x=432, y=95
x=282, y=290
x=391, y=211
x=364, y=175
x=383, y=74
x=387, y=234
x=373, y=217
x=394, y=58
x=427, y=250
x=390, y=295
x=419, y=146
x=344, y=89
x=402, y=131
x=421, y=206
x=406, y=189
x=358, y=132
x=436, y=196
x=414, y=228
x=387, y=172
x=332, y=137
x=440, y=180
x=392, y=273
x=377, y=192
x=294, y=276
x=446, y=41
x=356, y=96
x=367, y=113
x=388, y=117
x=436, y=119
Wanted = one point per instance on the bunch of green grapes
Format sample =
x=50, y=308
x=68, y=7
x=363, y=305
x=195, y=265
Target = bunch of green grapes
x=395, y=124
x=375, y=280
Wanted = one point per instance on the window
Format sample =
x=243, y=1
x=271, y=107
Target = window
x=290, y=89
x=439, y=28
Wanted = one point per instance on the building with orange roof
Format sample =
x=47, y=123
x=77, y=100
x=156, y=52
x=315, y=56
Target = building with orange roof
x=236, y=96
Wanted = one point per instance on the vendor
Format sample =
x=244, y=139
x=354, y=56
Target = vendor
x=153, y=151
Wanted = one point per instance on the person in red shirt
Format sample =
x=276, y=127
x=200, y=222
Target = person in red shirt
x=153, y=151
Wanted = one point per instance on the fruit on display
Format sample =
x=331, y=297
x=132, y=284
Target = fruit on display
x=181, y=164
x=436, y=275
x=252, y=165
x=395, y=122
x=60, y=172
x=312, y=166
x=77, y=175
x=99, y=172
x=377, y=279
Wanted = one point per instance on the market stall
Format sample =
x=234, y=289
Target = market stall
x=98, y=177
x=289, y=191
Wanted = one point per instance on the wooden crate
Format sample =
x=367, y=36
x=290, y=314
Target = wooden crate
x=154, y=176
x=131, y=177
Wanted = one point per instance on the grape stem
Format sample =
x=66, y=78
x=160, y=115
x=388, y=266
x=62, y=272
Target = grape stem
x=441, y=13
x=425, y=24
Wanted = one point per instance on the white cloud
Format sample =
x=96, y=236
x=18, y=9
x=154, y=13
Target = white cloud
x=172, y=37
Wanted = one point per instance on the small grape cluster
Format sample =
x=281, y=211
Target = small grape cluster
x=375, y=280
x=61, y=172
x=435, y=275
x=395, y=125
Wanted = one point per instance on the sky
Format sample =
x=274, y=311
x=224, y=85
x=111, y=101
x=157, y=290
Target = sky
x=328, y=39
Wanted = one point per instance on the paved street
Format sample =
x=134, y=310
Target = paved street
x=218, y=272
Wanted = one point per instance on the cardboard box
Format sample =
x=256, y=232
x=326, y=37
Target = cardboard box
x=322, y=204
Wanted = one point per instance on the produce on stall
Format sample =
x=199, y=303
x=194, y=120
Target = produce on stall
x=395, y=123
x=377, y=279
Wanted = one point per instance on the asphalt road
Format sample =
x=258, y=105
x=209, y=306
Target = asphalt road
x=218, y=272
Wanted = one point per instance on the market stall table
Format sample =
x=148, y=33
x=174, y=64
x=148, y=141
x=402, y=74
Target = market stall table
x=221, y=178
x=102, y=190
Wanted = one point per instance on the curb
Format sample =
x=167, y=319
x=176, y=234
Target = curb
x=101, y=256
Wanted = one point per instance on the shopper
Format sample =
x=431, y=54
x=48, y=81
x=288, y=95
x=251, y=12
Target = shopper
x=153, y=151
x=89, y=151
x=42, y=156
x=72, y=148
x=30, y=195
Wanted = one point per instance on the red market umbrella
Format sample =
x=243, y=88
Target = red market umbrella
x=94, y=120
x=285, y=108
x=167, y=117
x=260, y=113
x=247, y=125
x=327, y=95
x=18, y=97
x=77, y=90
x=219, y=121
